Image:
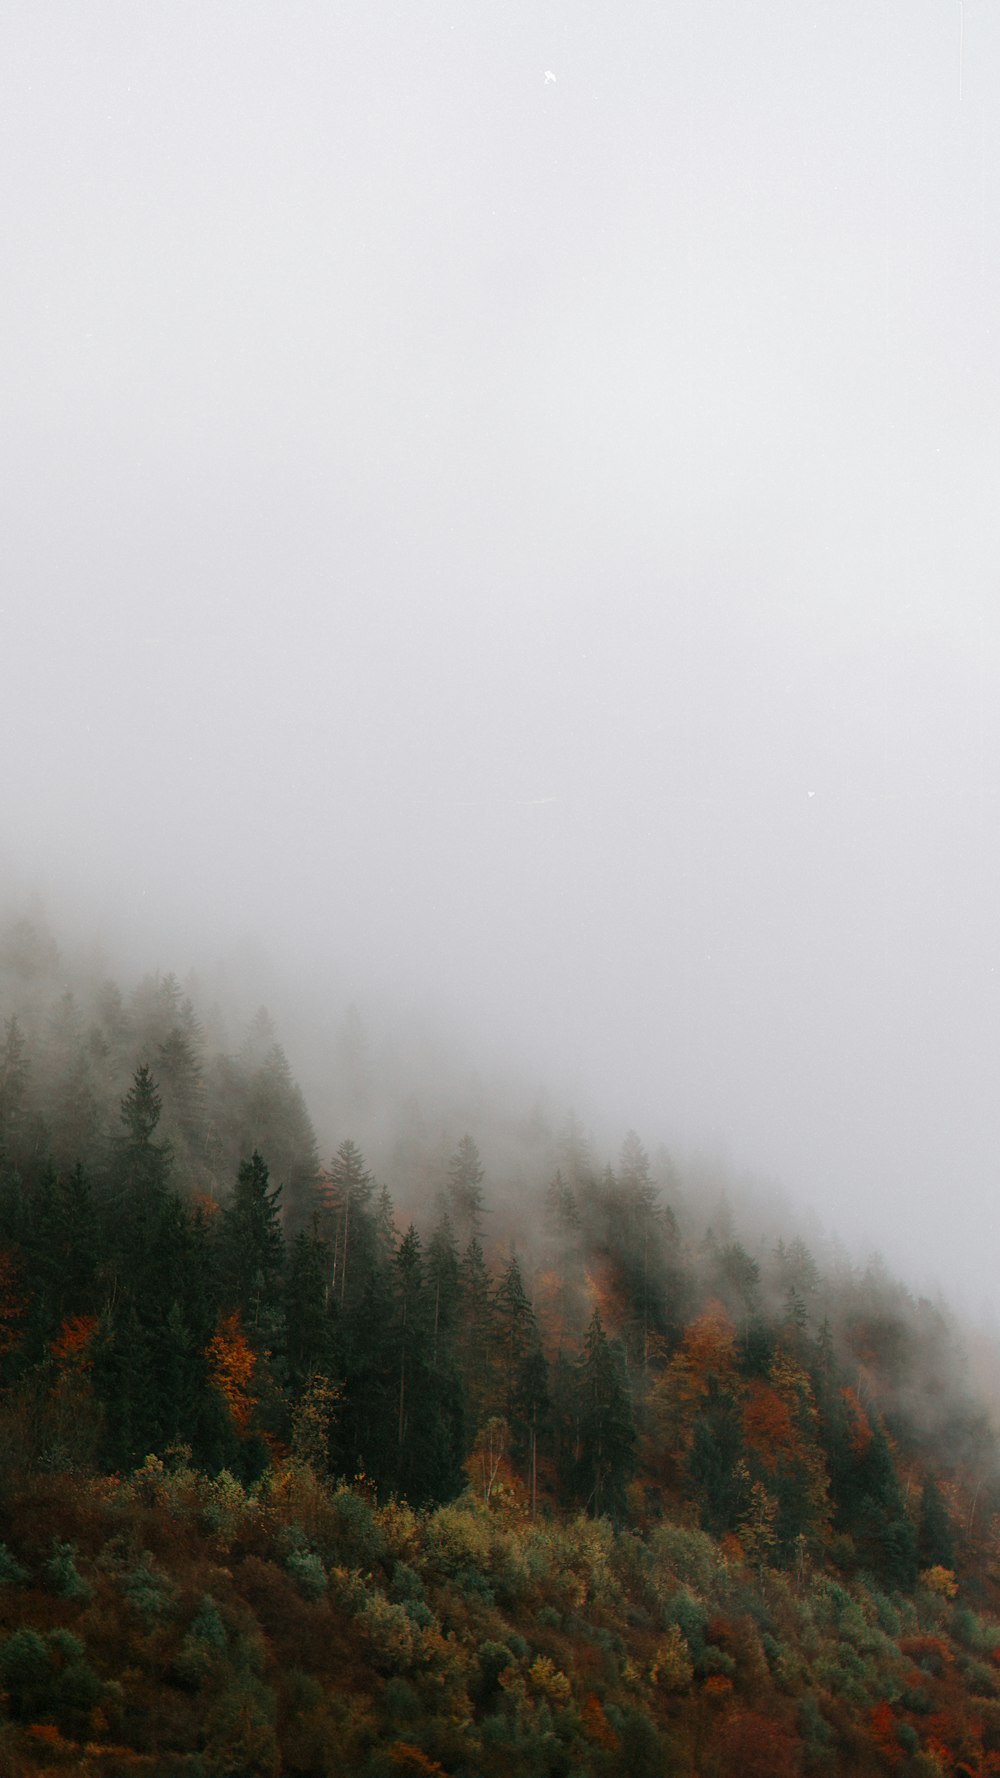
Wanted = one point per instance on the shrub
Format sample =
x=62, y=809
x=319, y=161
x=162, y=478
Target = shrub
x=201, y=1651
x=48, y=1677
x=227, y=1506
x=146, y=1590
x=241, y=1734
x=672, y=1668
x=359, y=1538
x=389, y=1631
x=494, y=1659
x=12, y=1574
x=307, y=1572
x=692, y=1556
x=458, y=1538
x=25, y=1670
x=62, y=1574
x=547, y=1681
x=691, y=1619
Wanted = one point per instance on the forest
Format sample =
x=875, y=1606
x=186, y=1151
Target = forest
x=547, y=1467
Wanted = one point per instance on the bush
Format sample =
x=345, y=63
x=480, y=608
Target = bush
x=202, y=1649
x=359, y=1538
x=241, y=1732
x=62, y=1574
x=307, y=1572
x=146, y=1589
x=390, y=1633
x=11, y=1572
x=673, y=1668
x=47, y=1677
x=25, y=1669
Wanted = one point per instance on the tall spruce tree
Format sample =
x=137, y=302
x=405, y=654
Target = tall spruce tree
x=465, y=1191
x=606, y=1439
x=252, y=1250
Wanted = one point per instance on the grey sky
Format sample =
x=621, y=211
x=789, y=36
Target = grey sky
x=533, y=545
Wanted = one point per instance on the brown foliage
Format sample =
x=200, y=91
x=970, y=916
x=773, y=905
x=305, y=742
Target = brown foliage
x=756, y=1746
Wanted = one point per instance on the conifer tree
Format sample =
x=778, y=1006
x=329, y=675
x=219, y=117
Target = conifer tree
x=475, y=1351
x=523, y=1371
x=606, y=1436
x=348, y=1198
x=443, y=1281
x=310, y=1344
x=465, y=1190
x=252, y=1249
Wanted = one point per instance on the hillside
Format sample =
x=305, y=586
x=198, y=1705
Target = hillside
x=568, y=1473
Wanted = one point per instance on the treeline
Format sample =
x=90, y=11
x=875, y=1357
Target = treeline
x=616, y=1368
x=573, y=1478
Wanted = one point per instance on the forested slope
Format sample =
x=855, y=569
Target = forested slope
x=560, y=1480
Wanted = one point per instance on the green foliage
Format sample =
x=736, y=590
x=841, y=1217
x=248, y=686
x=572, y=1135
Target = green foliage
x=25, y=1668
x=47, y=1678
x=62, y=1574
x=147, y=1589
x=12, y=1572
x=199, y=1658
x=307, y=1571
x=241, y=1733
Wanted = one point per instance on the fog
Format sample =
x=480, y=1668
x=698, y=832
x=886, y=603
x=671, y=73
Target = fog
x=501, y=526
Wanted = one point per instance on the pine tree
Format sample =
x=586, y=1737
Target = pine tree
x=475, y=1351
x=465, y=1190
x=252, y=1250
x=347, y=1205
x=443, y=1281
x=310, y=1343
x=139, y=1186
x=524, y=1373
x=606, y=1440
x=935, y=1536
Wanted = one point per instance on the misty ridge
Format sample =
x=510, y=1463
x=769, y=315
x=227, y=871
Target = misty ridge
x=501, y=1163
x=453, y=1445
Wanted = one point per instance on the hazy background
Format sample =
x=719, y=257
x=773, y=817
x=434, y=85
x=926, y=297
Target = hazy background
x=528, y=549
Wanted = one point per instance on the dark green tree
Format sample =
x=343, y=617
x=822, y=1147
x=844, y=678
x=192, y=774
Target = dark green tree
x=476, y=1332
x=935, y=1536
x=443, y=1283
x=310, y=1343
x=606, y=1437
x=252, y=1250
x=349, y=1192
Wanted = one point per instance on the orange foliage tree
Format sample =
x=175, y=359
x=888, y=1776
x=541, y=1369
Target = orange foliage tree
x=231, y=1365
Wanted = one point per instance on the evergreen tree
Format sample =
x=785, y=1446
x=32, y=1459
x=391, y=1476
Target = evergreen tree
x=935, y=1537
x=465, y=1190
x=476, y=1335
x=139, y=1187
x=252, y=1250
x=310, y=1344
x=183, y=1085
x=428, y=1427
x=348, y=1206
x=523, y=1372
x=443, y=1282
x=606, y=1440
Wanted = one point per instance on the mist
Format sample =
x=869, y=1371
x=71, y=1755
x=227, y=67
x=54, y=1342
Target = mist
x=501, y=529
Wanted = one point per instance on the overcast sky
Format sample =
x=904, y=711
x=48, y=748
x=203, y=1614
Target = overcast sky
x=501, y=503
